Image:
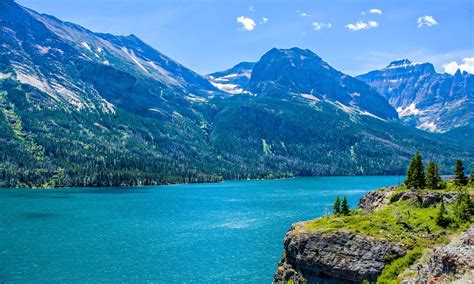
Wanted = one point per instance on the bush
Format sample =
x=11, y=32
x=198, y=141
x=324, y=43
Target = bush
x=464, y=207
x=392, y=270
x=442, y=219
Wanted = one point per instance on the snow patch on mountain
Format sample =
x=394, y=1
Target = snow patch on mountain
x=5, y=76
x=310, y=97
x=86, y=45
x=132, y=56
x=410, y=110
x=228, y=88
x=430, y=126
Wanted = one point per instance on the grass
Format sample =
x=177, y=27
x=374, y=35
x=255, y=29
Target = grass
x=400, y=222
x=391, y=271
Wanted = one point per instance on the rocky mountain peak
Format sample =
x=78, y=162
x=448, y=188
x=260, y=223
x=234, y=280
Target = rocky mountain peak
x=405, y=65
x=295, y=72
x=422, y=97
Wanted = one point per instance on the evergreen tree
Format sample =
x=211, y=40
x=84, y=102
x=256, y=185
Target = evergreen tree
x=433, y=178
x=416, y=173
x=459, y=177
x=345, y=207
x=472, y=177
x=336, y=208
x=464, y=207
x=441, y=219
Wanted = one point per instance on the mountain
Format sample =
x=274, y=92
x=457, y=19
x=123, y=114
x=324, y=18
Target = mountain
x=306, y=118
x=424, y=98
x=233, y=80
x=79, y=108
x=302, y=74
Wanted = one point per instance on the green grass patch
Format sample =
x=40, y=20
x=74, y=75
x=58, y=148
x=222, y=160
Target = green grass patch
x=400, y=222
x=391, y=271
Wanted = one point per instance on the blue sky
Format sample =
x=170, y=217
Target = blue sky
x=352, y=36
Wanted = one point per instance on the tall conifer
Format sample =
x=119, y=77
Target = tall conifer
x=345, y=210
x=336, y=208
x=459, y=176
x=433, y=178
x=416, y=173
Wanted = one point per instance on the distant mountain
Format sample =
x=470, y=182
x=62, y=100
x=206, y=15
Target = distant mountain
x=306, y=118
x=424, y=98
x=233, y=80
x=301, y=74
x=79, y=108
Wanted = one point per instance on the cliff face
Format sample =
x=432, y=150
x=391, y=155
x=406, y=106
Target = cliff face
x=339, y=257
x=378, y=243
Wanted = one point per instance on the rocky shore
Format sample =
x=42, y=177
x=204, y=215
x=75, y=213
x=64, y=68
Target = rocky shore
x=315, y=254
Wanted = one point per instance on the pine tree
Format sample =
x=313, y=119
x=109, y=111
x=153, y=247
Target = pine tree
x=336, y=208
x=433, y=178
x=464, y=206
x=345, y=210
x=441, y=219
x=416, y=173
x=472, y=177
x=459, y=177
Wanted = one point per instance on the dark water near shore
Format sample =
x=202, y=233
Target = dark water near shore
x=201, y=233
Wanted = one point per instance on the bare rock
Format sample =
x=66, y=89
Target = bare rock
x=449, y=262
x=339, y=257
x=376, y=199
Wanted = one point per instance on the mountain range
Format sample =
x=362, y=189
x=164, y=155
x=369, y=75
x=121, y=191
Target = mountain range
x=80, y=108
x=424, y=98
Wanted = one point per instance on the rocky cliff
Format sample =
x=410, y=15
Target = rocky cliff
x=340, y=257
x=392, y=237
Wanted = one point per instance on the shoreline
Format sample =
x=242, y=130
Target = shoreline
x=124, y=187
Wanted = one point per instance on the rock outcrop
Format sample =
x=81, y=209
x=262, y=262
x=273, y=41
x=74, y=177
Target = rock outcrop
x=331, y=255
x=377, y=199
x=451, y=262
x=339, y=257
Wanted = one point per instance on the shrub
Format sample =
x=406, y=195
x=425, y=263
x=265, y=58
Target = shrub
x=392, y=270
x=442, y=219
x=464, y=207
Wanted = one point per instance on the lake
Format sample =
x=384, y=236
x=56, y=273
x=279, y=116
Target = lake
x=200, y=233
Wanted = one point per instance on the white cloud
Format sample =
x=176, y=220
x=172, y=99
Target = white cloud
x=248, y=24
x=426, y=21
x=302, y=14
x=466, y=65
x=264, y=20
x=375, y=11
x=362, y=25
x=372, y=11
x=252, y=9
x=319, y=26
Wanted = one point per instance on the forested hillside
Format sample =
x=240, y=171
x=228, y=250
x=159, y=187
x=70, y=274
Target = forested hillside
x=78, y=108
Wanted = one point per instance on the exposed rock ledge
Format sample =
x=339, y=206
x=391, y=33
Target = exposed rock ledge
x=374, y=200
x=454, y=261
x=339, y=257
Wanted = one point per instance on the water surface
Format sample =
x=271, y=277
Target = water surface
x=202, y=233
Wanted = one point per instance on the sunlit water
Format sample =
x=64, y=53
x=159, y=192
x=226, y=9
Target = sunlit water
x=202, y=233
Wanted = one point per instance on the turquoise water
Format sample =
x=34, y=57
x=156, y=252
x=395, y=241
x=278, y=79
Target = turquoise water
x=201, y=233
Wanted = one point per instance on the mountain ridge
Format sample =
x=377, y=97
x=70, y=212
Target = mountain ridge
x=79, y=108
x=424, y=98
